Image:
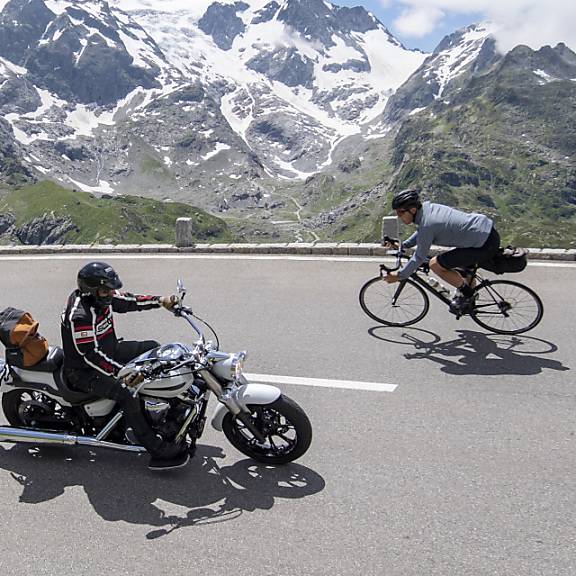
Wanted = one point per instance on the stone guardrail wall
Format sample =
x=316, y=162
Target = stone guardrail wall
x=295, y=248
x=185, y=245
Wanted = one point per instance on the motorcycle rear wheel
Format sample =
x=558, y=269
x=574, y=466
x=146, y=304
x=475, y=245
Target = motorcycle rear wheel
x=33, y=409
x=283, y=423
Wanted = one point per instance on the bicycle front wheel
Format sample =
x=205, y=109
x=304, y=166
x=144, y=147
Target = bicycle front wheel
x=506, y=307
x=400, y=304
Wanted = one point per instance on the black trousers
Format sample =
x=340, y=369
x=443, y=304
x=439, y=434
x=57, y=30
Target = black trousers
x=98, y=384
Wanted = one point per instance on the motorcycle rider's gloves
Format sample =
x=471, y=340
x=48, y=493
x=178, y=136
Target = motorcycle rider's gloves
x=132, y=380
x=169, y=302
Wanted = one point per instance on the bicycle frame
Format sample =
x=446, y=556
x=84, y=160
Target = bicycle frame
x=421, y=282
x=415, y=277
x=482, y=284
x=425, y=269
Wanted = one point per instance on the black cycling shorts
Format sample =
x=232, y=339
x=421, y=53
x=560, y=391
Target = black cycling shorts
x=462, y=257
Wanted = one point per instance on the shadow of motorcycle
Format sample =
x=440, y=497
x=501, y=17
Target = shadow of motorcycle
x=204, y=493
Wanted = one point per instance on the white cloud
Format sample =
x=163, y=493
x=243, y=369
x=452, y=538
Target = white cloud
x=418, y=22
x=531, y=22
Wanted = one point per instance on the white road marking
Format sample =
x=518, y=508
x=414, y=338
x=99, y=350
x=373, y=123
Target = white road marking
x=304, y=258
x=321, y=382
x=135, y=256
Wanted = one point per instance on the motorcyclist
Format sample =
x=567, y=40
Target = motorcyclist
x=473, y=239
x=94, y=356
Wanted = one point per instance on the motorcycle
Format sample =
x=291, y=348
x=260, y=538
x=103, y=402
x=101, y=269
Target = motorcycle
x=178, y=379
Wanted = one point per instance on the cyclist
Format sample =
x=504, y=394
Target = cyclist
x=473, y=239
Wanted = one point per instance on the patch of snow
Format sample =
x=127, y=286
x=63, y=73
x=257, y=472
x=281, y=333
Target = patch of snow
x=219, y=148
x=7, y=67
x=103, y=187
x=546, y=78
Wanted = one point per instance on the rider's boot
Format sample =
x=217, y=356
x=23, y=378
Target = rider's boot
x=169, y=457
x=163, y=455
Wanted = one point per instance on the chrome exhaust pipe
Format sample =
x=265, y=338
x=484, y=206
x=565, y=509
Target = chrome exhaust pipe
x=10, y=434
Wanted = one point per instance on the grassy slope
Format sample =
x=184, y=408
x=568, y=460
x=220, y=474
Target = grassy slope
x=124, y=219
x=500, y=159
x=505, y=146
x=361, y=190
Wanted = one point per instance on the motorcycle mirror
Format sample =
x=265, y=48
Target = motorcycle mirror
x=180, y=289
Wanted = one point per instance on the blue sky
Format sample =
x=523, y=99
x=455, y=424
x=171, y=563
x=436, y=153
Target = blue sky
x=423, y=23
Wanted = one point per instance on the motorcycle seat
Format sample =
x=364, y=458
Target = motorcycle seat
x=75, y=397
x=51, y=362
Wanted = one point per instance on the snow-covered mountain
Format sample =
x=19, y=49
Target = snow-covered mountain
x=214, y=103
x=296, y=118
x=232, y=89
x=465, y=53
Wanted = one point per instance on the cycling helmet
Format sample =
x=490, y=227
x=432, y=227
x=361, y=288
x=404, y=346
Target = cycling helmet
x=96, y=275
x=409, y=198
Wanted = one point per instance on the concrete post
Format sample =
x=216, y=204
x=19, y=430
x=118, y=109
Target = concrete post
x=390, y=227
x=184, y=233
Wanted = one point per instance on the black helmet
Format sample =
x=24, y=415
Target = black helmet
x=409, y=198
x=97, y=275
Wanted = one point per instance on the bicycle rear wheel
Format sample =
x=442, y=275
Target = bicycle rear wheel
x=399, y=304
x=506, y=307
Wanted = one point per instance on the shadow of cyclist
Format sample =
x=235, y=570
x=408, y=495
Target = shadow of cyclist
x=127, y=491
x=486, y=354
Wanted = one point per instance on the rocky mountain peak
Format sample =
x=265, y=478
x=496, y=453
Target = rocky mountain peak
x=317, y=20
x=222, y=23
x=557, y=62
x=22, y=24
x=468, y=51
x=84, y=52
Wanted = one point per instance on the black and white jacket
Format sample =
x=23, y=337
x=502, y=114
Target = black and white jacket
x=88, y=335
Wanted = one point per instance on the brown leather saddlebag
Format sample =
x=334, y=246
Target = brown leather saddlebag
x=19, y=333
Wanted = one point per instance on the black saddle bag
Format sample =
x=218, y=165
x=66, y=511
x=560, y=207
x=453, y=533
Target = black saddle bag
x=507, y=260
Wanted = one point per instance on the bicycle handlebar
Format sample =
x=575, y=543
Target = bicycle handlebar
x=400, y=254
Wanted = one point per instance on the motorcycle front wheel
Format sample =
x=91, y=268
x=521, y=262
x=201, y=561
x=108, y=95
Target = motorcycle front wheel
x=284, y=425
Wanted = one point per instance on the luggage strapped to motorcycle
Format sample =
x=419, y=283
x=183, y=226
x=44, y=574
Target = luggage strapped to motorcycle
x=507, y=260
x=25, y=347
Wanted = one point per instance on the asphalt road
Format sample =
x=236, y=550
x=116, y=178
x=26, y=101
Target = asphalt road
x=467, y=468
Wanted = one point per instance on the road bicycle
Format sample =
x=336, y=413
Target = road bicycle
x=500, y=306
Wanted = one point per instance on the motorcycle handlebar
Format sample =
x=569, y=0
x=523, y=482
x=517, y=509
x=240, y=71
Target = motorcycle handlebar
x=188, y=315
x=181, y=311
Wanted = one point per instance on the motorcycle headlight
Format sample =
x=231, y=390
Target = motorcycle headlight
x=227, y=366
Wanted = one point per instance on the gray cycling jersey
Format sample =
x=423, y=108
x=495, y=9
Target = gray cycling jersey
x=444, y=226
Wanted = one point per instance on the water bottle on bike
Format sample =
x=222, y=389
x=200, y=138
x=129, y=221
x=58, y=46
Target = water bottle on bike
x=438, y=286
